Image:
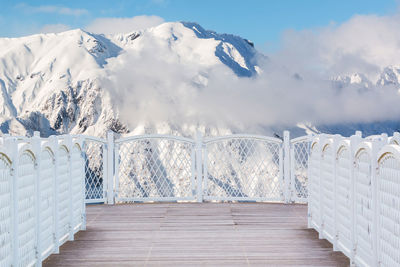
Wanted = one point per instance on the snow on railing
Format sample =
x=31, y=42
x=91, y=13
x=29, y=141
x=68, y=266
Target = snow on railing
x=42, y=196
x=354, y=196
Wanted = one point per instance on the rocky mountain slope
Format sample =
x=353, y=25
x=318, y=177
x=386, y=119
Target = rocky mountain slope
x=71, y=82
x=52, y=83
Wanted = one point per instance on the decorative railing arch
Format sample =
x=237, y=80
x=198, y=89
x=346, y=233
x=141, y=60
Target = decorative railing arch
x=327, y=183
x=343, y=196
x=366, y=198
x=6, y=207
x=314, y=217
x=24, y=197
x=47, y=199
x=395, y=139
x=32, y=224
x=388, y=206
x=363, y=203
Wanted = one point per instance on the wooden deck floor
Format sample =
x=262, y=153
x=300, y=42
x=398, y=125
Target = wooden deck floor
x=205, y=234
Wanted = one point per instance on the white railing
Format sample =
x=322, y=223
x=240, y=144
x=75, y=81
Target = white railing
x=354, y=196
x=42, y=197
x=171, y=168
x=243, y=167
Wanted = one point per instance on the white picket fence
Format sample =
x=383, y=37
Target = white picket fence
x=354, y=196
x=171, y=168
x=42, y=197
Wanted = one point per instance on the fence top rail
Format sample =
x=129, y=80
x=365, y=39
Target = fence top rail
x=156, y=136
x=242, y=136
x=300, y=139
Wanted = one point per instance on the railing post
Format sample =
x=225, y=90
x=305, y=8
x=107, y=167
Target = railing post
x=36, y=145
x=354, y=141
x=199, y=167
x=376, y=146
x=286, y=166
x=320, y=151
x=83, y=182
x=110, y=168
x=309, y=213
x=12, y=146
x=68, y=140
x=54, y=145
x=336, y=141
x=116, y=173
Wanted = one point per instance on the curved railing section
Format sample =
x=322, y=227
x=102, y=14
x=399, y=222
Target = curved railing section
x=171, y=168
x=42, y=197
x=354, y=199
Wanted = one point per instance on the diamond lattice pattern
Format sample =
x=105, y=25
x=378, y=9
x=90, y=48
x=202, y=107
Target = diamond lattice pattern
x=156, y=168
x=243, y=169
x=93, y=154
x=299, y=185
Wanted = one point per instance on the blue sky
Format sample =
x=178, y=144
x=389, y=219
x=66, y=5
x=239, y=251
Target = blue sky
x=261, y=21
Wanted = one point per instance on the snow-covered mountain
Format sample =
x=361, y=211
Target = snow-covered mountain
x=53, y=82
x=70, y=82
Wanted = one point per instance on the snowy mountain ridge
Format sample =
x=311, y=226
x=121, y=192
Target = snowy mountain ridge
x=52, y=82
x=60, y=83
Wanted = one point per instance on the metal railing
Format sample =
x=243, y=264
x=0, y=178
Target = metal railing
x=354, y=196
x=42, y=197
x=172, y=168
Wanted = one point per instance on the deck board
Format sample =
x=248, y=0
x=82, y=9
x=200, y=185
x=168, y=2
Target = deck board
x=197, y=234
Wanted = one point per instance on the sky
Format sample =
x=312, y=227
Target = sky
x=261, y=21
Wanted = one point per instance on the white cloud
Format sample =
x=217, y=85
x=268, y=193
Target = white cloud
x=294, y=86
x=365, y=43
x=53, y=9
x=123, y=25
x=54, y=28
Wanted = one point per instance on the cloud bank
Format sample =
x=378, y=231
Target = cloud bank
x=365, y=43
x=295, y=85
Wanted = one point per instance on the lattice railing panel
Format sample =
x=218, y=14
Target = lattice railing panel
x=327, y=190
x=156, y=169
x=344, y=198
x=301, y=151
x=47, y=187
x=5, y=211
x=363, y=207
x=26, y=209
x=243, y=168
x=94, y=153
x=389, y=211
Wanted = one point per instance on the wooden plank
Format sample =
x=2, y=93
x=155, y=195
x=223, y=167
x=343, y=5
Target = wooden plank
x=193, y=234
